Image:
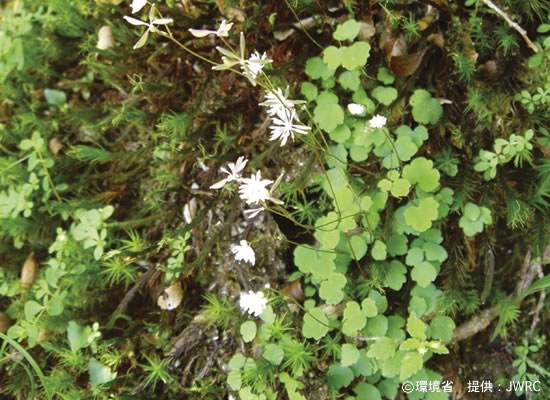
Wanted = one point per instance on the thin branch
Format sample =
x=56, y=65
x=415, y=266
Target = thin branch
x=540, y=304
x=512, y=24
x=481, y=321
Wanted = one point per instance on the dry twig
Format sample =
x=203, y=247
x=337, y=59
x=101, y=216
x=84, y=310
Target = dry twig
x=478, y=323
x=514, y=25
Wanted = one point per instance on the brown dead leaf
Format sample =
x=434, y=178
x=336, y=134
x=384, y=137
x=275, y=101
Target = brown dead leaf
x=367, y=31
x=437, y=39
x=294, y=291
x=407, y=64
x=489, y=70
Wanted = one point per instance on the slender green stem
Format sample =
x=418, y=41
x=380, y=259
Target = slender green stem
x=48, y=176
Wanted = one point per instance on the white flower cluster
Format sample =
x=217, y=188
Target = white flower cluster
x=152, y=25
x=285, y=120
x=222, y=31
x=253, y=302
x=377, y=122
x=253, y=190
x=243, y=252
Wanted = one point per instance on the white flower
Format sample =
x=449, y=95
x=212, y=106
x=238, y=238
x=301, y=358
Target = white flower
x=233, y=173
x=171, y=297
x=253, y=302
x=284, y=126
x=253, y=190
x=190, y=210
x=252, y=212
x=357, y=109
x=151, y=27
x=276, y=101
x=137, y=5
x=252, y=67
x=222, y=31
x=243, y=252
x=105, y=38
x=378, y=121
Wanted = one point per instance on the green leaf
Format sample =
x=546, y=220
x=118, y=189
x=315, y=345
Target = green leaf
x=347, y=31
x=309, y=91
x=358, y=247
x=416, y=328
x=364, y=366
x=349, y=355
x=234, y=380
x=474, y=218
x=237, y=362
x=355, y=56
x=332, y=56
x=378, y=250
x=472, y=212
x=55, y=306
x=99, y=373
x=337, y=156
x=341, y=134
x=422, y=173
x=389, y=388
x=361, y=97
x=354, y=320
x=366, y=391
x=326, y=97
x=384, y=95
x=350, y=80
x=424, y=273
x=328, y=116
x=541, y=284
x=78, y=336
x=319, y=263
x=421, y=216
x=369, y=308
x=397, y=245
x=435, y=252
x=382, y=349
x=315, y=324
x=395, y=275
x=418, y=135
x=442, y=328
x=395, y=325
x=316, y=68
x=391, y=367
x=268, y=315
x=385, y=76
x=405, y=148
x=380, y=300
x=410, y=344
x=418, y=305
x=412, y=363
x=377, y=326
x=31, y=309
x=339, y=376
x=248, y=331
x=55, y=97
x=425, y=109
x=331, y=290
x=273, y=353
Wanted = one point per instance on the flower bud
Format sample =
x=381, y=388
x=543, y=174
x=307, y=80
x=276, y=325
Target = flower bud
x=105, y=38
x=29, y=272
